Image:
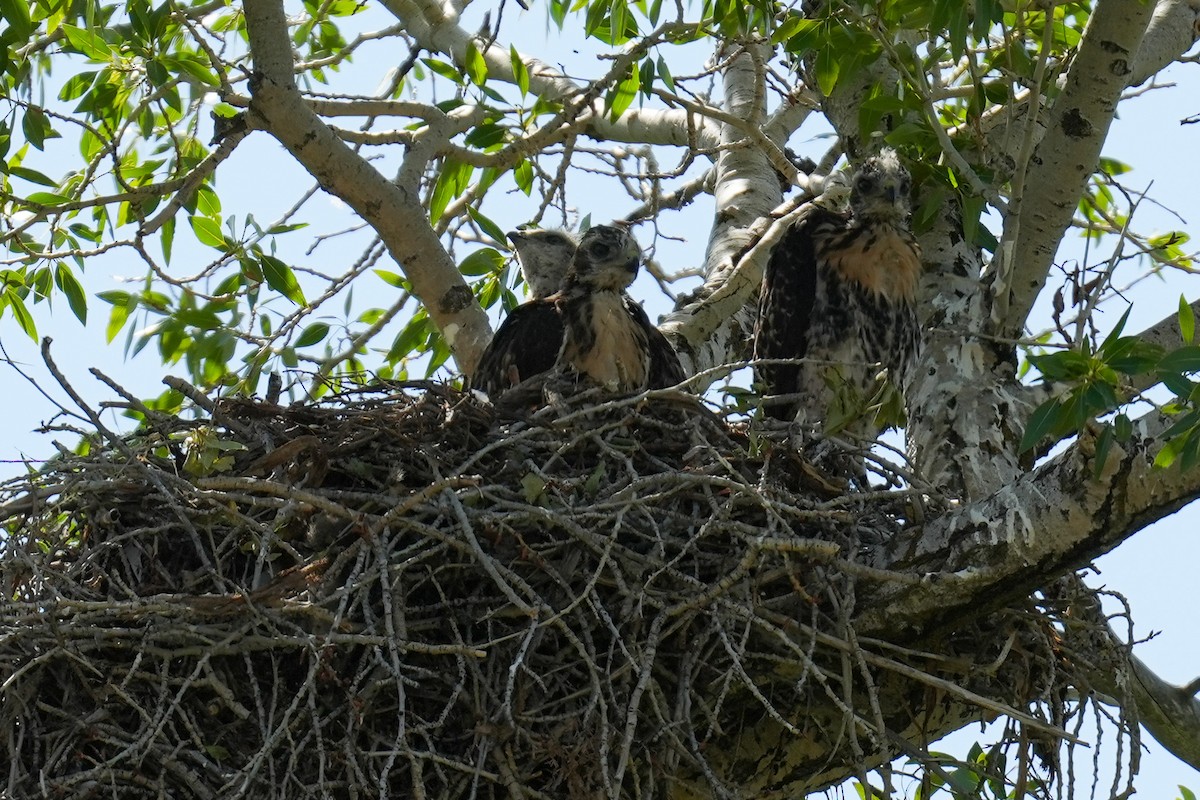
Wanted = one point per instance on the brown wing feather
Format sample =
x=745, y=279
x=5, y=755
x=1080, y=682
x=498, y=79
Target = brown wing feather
x=665, y=369
x=786, y=304
x=526, y=344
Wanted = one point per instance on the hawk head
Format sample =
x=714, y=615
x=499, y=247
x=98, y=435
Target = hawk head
x=544, y=255
x=608, y=258
x=880, y=189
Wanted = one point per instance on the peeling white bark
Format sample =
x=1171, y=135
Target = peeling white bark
x=966, y=409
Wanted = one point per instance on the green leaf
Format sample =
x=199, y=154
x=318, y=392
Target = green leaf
x=411, y=337
x=476, y=67
x=279, y=276
x=31, y=175
x=523, y=175
x=1190, y=453
x=1130, y=355
x=168, y=238
x=443, y=69
x=1169, y=452
x=70, y=286
x=47, y=199
x=20, y=313
x=1103, y=446
x=451, y=183
x=520, y=71
x=621, y=96
x=1065, y=365
x=486, y=136
x=87, y=42
x=393, y=279
x=208, y=231
x=1185, y=359
x=1123, y=428
x=1187, y=320
x=312, y=334
x=16, y=15
x=484, y=261
x=532, y=486
x=664, y=74
x=1116, y=332
x=486, y=225
x=77, y=85
x=828, y=66
x=37, y=129
x=1044, y=419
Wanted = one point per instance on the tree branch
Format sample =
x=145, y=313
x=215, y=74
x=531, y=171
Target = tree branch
x=1170, y=713
x=393, y=210
x=436, y=28
x=746, y=189
x=1048, y=522
x=1065, y=158
x=1172, y=31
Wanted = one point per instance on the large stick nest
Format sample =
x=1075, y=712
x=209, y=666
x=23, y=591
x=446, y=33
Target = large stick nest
x=406, y=595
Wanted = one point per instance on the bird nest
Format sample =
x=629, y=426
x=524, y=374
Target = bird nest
x=404, y=593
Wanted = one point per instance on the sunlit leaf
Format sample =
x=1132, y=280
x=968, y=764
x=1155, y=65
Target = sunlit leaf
x=520, y=71
x=523, y=175
x=1187, y=320
x=443, y=69
x=620, y=97
x=16, y=18
x=475, y=65
x=486, y=225
x=87, y=42
x=484, y=261
x=13, y=301
x=208, y=231
x=65, y=279
x=279, y=276
x=312, y=334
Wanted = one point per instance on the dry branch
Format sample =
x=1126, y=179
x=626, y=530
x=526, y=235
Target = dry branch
x=406, y=593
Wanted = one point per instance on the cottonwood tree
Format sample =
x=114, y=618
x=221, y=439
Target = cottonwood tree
x=426, y=120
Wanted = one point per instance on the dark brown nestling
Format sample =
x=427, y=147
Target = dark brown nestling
x=528, y=341
x=839, y=290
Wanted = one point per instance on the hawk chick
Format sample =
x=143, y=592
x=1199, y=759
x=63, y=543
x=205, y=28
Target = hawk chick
x=528, y=341
x=545, y=256
x=839, y=291
x=608, y=337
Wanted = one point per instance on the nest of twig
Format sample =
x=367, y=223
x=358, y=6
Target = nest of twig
x=404, y=594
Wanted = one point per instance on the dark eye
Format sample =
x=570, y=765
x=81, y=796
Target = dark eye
x=600, y=250
x=905, y=185
x=865, y=183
